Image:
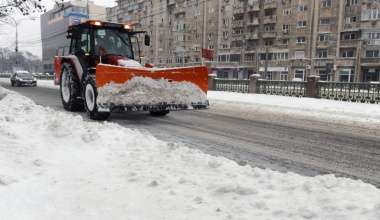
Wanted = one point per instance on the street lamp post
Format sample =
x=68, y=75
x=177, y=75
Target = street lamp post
x=16, y=23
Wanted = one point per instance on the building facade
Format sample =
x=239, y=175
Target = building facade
x=54, y=25
x=339, y=40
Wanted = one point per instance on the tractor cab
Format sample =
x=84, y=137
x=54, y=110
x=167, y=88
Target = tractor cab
x=96, y=42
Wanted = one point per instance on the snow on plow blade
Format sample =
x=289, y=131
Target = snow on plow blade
x=147, y=89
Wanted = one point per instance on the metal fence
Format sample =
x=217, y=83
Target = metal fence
x=232, y=85
x=284, y=88
x=352, y=92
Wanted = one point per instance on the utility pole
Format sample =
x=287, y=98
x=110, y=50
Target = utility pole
x=204, y=29
x=88, y=9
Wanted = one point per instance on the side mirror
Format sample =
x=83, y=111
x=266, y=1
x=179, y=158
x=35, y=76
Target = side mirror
x=147, y=40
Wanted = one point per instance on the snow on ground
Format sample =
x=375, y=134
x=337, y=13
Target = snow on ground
x=361, y=114
x=148, y=91
x=55, y=165
x=47, y=84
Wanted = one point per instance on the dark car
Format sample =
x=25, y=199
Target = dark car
x=21, y=78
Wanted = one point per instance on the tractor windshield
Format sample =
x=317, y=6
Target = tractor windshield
x=113, y=41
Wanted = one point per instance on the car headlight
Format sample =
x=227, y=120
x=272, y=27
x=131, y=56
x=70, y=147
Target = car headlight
x=18, y=78
x=34, y=78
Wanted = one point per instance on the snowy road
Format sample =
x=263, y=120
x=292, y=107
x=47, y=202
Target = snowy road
x=264, y=139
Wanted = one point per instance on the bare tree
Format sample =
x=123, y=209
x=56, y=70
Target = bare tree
x=25, y=7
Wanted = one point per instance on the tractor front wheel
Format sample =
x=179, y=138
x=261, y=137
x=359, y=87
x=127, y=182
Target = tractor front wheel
x=90, y=95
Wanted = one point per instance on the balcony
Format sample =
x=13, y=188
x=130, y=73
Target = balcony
x=180, y=10
x=349, y=43
x=270, y=19
x=253, y=22
x=237, y=36
x=238, y=10
x=253, y=8
x=370, y=61
x=348, y=61
x=269, y=34
x=351, y=26
x=372, y=42
x=170, y=2
x=270, y=5
x=237, y=23
x=323, y=62
x=252, y=36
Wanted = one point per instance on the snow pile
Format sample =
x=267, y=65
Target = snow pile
x=128, y=63
x=360, y=114
x=148, y=91
x=68, y=168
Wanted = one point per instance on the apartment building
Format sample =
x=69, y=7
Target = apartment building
x=339, y=40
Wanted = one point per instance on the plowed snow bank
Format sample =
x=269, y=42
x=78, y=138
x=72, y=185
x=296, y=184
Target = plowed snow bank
x=147, y=91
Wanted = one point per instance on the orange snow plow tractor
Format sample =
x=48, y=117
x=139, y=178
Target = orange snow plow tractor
x=102, y=73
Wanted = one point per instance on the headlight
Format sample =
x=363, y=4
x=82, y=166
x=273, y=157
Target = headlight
x=18, y=78
x=34, y=78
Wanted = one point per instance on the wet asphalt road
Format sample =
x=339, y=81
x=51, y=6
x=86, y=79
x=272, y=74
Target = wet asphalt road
x=305, y=147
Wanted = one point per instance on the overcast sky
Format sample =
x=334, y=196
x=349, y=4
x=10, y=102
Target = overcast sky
x=29, y=31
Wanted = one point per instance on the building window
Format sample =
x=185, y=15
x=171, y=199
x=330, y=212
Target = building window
x=351, y=2
x=299, y=74
x=235, y=57
x=249, y=57
x=374, y=35
x=326, y=4
x=268, y=42
x=345, y=75
x=372, y=54
x=324, y=21
x=302, y=7
x=285, y=41
x=285, y=28
x=323, y=75
x=301, y=40
x=350, y=20
x=287, y=11
x=347, y=53
x=269, y=28
x=322, y=53
x=284, y=76
x=371, y=14
x=301, y=24
x=323, y=37
x=349, y=36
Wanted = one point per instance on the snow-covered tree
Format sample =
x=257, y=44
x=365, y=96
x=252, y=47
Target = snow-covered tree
x=25, y=7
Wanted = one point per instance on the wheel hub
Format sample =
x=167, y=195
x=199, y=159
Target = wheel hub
x=90, y=97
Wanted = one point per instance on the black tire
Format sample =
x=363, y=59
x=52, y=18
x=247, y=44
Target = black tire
x=69, y=88
x=12, y=83
x=90, y=95
x=159, y=113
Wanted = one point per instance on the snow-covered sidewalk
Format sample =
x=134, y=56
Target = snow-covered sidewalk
x=358, y=114
x=54, y=165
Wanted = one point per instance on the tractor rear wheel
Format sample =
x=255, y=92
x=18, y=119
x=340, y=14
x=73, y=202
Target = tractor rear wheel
x=90, y=95
x=70, y=89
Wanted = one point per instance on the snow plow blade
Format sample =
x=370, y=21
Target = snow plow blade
x=151, y=89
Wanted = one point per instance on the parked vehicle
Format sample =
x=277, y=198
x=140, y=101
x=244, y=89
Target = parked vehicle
x=23, y=78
